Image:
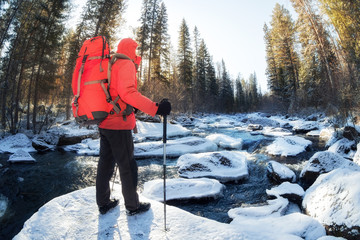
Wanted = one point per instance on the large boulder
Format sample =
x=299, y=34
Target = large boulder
x=334, y=200
x=323, y=162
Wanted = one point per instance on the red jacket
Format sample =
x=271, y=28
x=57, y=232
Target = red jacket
x=124, y=84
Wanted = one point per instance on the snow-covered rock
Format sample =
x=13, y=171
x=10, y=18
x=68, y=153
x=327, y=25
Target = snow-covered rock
x=255, y=127
x=323, y=162
x=280, y=173
x=305, y=127
x=276, y=132
x=183, y=189
x=154, y=131
x=288, y=146
x=86, y=147
x=21, y=156
x=344, y=147
x=13, y=143
x=71, y=133
x=256, y=118
x=331, y=238
x=274, y=208
x=76, y=216
x=334, y=200
x=295, y=226
x=45, y=141
x=174, y=148
x=225, y=141
x=224, y=166
x=291, y=191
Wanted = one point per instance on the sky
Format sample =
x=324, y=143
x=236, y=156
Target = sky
x=231, y=29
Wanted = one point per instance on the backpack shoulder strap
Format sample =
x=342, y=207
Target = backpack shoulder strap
x=113, y=59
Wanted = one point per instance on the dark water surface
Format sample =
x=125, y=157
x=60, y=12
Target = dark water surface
x=30, y=186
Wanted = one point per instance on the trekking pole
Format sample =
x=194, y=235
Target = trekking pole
x=164, y=168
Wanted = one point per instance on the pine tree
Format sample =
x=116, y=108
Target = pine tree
x=344, y=16
x=226, y=91
x=281, y=51
x=185, y=64
x=30, y=62
x=240, y=95
x=318, y=36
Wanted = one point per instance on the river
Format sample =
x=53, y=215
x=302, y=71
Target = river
x=27, y=187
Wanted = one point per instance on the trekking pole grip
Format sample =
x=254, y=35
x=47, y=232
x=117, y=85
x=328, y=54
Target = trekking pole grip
x=164, y=128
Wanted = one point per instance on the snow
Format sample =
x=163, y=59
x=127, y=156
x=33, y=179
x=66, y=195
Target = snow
x=334, y=198
x=21, y=156
x=154, y=131
x=288, y=146
x=282, y=172
x=325, y=161
x=293, y=226
x=182, y=189
x=286, y=188
x=75, y=216
x=224, y=165
x=225, y=141
x=86, y=147
x=344, y=147
x=13, y=143
x=276, y=132
x=174, y=148
x=274, y=208
x=71, y=129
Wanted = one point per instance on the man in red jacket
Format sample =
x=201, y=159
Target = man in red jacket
x=116, y=142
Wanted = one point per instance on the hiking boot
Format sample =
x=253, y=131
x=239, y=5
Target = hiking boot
x=104, y=209
x=143, y=207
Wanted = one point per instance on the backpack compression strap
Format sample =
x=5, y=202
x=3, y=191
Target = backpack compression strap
x=85, y=57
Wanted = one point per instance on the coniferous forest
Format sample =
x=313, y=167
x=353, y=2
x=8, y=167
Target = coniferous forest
x=313, y=61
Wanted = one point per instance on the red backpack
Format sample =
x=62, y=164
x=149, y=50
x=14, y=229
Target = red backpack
x=92, y=102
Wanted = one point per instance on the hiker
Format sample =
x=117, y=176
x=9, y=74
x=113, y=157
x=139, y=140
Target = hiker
x=116, y=142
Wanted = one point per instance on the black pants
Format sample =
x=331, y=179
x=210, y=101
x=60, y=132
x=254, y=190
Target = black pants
x=116, y=146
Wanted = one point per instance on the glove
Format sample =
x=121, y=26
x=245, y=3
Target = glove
x=164, y=107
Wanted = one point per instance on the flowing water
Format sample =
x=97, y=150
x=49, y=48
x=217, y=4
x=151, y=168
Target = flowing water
x=27, y=187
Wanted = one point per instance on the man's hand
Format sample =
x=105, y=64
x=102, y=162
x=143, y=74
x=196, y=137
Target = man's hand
x=164, y=107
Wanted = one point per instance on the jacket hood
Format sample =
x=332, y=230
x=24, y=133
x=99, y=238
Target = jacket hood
x=128, y=47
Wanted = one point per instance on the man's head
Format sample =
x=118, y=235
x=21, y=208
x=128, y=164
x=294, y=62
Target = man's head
x=128, y=47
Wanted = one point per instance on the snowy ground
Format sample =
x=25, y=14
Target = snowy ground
x=75, y=216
